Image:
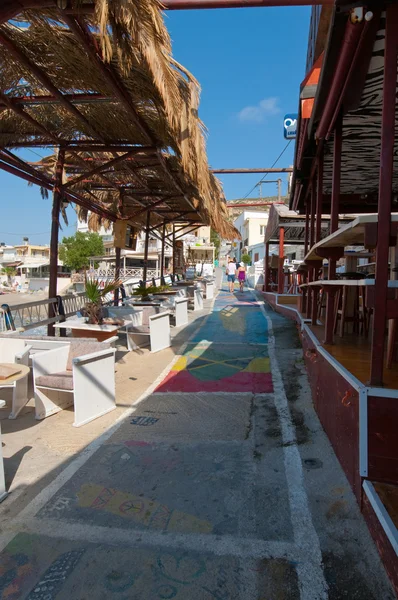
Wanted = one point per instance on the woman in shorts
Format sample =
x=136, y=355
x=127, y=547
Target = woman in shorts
x=241, y=275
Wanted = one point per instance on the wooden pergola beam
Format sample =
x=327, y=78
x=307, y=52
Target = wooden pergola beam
x=98, y=169
x=86, y=39
x=46, y=99
x=28, y=118
x=46, y=81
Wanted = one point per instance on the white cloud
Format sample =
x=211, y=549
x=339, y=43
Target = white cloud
x=257, y=114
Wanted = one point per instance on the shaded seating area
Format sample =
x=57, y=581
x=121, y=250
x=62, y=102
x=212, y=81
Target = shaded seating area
x=343, y=194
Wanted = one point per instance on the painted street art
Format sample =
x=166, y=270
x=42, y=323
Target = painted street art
x=53, y=579
x=209, y=367
x=144, y=421
x=142, y=510
x=199, y=488
x=234, y=324
x=21, y=569
x=84, y=571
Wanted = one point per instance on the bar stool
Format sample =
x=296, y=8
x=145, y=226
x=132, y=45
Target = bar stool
x=342, y=297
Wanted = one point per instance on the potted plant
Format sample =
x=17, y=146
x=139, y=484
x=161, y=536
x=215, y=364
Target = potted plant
x=93, y=310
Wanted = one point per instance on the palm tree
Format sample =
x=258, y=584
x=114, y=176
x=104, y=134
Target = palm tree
x=95, y=294
x=10, y=272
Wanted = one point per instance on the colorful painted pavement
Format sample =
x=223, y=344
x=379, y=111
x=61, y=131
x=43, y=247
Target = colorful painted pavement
x=228, y=353
x=189, y=498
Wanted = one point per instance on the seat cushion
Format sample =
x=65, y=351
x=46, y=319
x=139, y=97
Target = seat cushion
x=62, y=380
x=80, y=349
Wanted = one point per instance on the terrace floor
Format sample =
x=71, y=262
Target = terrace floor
x=354, y=353
x=216, y=481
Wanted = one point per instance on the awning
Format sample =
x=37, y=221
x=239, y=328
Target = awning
x=33, y=265
x=309, y=87
x=11, y=264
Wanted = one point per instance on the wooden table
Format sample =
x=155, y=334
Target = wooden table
x=81, y=329
x=23, y=372
x=351, y=234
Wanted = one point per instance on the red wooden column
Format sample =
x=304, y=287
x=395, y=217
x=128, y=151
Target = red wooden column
x=57, y=199
x=266, y=267
x=319, y=198
x=312, y=215
x=385, y=194
x=307, y=228
x=312, y=241
x=318, y=224
x=305, y=291
x=334, y=223
x=281, y=277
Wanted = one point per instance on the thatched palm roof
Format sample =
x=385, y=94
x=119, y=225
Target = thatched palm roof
x=102, y=85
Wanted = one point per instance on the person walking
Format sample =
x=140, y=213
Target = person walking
x=231, y=272
x=241, y=275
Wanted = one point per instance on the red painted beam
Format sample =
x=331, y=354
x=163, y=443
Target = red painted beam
x=348, y=50
x=242, y=171
x=206, y=4
x=251, y=205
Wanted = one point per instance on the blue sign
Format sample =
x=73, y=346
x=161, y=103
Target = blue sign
x=290, y=127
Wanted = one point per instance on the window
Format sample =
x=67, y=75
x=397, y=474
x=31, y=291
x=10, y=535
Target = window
x=256, y=254
x=262, y=229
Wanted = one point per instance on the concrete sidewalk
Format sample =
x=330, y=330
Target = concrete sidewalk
x=219, y=483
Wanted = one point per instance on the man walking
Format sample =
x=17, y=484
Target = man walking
x=231, y=271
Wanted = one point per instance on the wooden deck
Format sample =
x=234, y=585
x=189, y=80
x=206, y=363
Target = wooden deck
x=353, y=352
x=389, y=496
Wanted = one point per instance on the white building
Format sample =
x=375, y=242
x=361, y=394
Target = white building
x=197, y=251
x=131, y=259
x=251, y=225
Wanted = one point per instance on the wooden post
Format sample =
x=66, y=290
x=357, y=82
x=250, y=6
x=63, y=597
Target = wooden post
x=162, y=255
x=385, y=194
x=281, y=277
x=334, y=223
x=319, y=198
x=266, y=268
x=57, y=199
x=148, y=224
x=307, y=227
x=174, y=249
x=309, y=293
x=312, y=216
x=118, y=253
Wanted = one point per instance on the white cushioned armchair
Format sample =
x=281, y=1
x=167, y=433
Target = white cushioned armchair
x=82, y=374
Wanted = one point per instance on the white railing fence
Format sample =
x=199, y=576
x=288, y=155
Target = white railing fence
x=127, y=273
x=40, y=312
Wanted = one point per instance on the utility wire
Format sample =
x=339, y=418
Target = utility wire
x=272, y=166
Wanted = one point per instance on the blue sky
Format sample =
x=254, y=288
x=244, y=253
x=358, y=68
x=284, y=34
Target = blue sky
x=249, y=63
